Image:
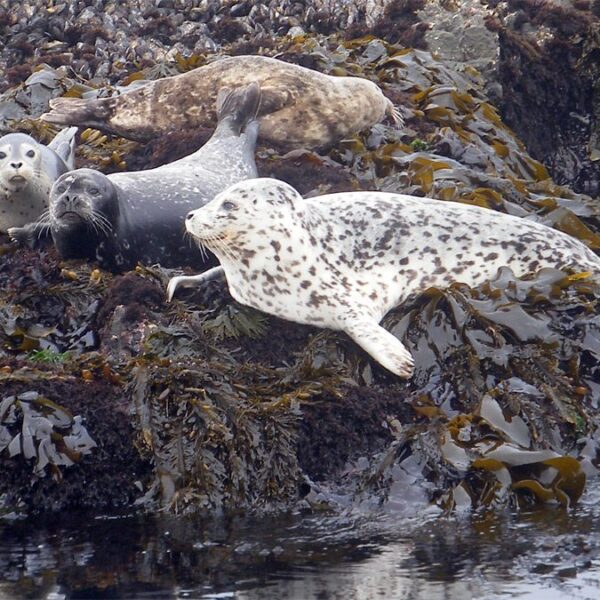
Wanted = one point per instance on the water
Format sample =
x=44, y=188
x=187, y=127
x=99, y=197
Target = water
x=549, y=553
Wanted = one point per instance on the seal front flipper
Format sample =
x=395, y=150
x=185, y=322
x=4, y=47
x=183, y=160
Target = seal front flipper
x=274, y=99
x=63, y=145
x=193, y=280
x=29, y=234
x=384, y=347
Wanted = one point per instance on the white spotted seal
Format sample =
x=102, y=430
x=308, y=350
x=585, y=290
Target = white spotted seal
x=27, y=171
x=299, y=107
x=125, y=218
x=344, y=260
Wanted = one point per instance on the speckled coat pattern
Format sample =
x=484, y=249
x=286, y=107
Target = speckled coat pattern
x=138, y=216
x=299, y=107
x=344, y=260
x=27, y=171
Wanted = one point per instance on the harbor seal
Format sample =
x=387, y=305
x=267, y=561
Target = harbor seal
x=123, y=218
x=344, y=260
x=27, y=171
x=299, y=107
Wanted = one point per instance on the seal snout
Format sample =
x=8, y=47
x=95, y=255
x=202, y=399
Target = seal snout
x=189, y=223
x=69, y=207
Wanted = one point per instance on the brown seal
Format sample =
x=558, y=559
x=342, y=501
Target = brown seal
x=299, y=107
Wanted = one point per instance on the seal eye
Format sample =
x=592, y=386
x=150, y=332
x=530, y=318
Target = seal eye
x=30, y=153
x=227, y=205
x=94, y=191
x=2, y=155
x=61, y=189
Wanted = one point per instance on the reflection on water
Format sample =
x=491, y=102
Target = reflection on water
x=550, y=553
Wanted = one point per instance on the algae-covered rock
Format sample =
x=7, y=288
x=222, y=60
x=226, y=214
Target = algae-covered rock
x=206, y=405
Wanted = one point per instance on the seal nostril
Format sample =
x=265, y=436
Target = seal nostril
x=16, y=165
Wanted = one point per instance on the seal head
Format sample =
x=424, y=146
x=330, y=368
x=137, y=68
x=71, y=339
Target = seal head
x=84, y=214
x=344, y=260
x=27, y=171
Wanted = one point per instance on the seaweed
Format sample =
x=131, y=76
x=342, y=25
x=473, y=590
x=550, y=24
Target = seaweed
x=548, y=71
x=37, y=428
x=205, y=405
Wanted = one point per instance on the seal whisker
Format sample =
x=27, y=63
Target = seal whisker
x=43, y=229
x=200, y=245
x=212, y=243
x=104, y=224
x=223, y=247
x=97, y=226
x=43, y=224
x=203, y=250
x=44, y=217
x=192, y=241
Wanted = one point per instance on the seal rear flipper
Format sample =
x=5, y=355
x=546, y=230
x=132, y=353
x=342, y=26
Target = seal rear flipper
x=236, y=108
x=63, y=145
x=384, y=347
x=91, y=112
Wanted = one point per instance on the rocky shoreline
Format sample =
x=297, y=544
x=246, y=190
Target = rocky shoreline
x=206, y=405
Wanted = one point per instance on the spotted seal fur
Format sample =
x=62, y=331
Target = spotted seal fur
x=27, y=171
x=300, y=107
x=125, y=218
x=344, y=260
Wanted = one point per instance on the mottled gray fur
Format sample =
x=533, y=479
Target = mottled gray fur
x=123, y=218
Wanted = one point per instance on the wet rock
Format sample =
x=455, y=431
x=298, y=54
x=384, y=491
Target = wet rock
x=548, y=69
x=205, y=404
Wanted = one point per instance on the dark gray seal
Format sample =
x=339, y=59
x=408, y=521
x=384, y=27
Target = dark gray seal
x=125, y=218
x=27, y=171
x=299, y=108
x=344, y=260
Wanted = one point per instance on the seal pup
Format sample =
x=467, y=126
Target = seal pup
x=27, y=171
x=299, y=108
x=123, y=218
x=344, y=260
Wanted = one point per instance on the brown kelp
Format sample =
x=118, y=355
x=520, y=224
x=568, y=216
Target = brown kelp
x=204, y=404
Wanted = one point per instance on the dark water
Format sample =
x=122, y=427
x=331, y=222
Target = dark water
x=548, y=554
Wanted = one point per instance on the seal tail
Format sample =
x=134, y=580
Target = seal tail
x=63, y=144
x=239, y=107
